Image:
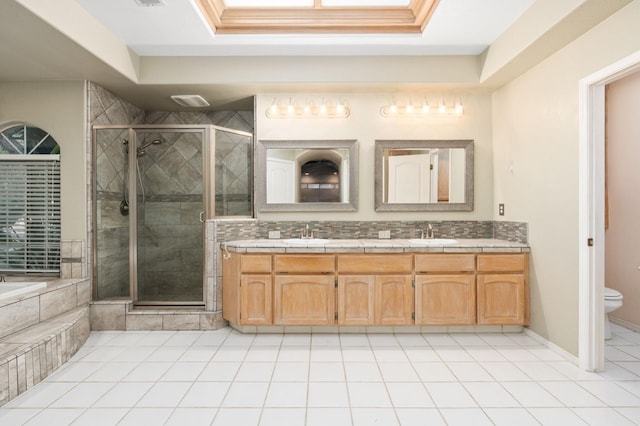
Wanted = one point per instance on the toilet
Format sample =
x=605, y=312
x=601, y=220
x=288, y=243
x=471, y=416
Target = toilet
x=612, y=301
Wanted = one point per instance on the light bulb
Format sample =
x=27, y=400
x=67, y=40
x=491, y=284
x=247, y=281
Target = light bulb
x=459, y=109
x=323, y=108
x=290, y=109
x=442, y=108
x=307, y=108
x=273, y=109
x=340, y=108
x=393, y=108
x=425, y=107
x=410, y=108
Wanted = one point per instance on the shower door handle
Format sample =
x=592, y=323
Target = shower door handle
x=201, y=217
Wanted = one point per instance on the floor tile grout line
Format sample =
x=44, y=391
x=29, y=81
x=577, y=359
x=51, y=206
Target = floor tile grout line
x=466, y=347
x=264, y=402
x=226, y=394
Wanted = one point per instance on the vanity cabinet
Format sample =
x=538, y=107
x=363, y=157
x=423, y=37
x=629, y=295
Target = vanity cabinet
x=304, y=290
x=445, y=289
x=387, y=289
x=247, y=288
x=503, y=290
x=375, y=289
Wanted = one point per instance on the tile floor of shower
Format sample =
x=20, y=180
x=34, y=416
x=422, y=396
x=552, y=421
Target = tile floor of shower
x=223, y=377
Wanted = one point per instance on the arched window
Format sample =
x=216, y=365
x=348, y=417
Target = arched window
x=29, y=200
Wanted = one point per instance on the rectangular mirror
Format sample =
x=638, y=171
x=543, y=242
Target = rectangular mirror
x=424, y=175
x=307, y=175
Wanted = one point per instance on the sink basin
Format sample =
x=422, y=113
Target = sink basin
x=432, y=241
x=306, y=241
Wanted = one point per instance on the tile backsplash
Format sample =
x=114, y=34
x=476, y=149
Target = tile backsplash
x=229, y=230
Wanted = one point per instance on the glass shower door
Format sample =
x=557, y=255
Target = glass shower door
x=111, y=213
x=170, y=206
x=154, y=187
x=233, y=173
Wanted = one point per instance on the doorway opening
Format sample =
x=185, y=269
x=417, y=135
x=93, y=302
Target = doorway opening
x=591, y=209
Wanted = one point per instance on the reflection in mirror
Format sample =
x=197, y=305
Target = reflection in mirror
x=307, y=175
x=424, y=175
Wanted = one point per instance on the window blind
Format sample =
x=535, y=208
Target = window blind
x=30, y=215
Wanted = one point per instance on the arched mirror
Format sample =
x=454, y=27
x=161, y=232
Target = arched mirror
x=307, y=175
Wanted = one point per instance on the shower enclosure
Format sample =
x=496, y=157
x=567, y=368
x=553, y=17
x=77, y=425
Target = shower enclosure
x=154, y=188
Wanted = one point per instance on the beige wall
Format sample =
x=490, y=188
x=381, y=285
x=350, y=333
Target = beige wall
x=366, y=125
x=535, y=145
x=622, y=258
x=60, y=109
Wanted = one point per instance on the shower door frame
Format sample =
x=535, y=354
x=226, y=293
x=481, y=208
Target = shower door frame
x=208, y=202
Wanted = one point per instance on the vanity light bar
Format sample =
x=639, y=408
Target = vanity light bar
x=422, y=109
x=293, y=109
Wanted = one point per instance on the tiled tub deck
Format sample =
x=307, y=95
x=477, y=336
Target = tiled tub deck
x=40, y=330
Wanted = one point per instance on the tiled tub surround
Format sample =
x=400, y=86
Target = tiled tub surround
x=40, y=331
x=73, y=259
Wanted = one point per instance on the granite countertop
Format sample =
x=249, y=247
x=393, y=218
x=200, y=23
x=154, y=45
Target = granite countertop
x=297, y=245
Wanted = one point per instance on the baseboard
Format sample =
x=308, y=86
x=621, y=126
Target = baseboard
x=550, y=345
x=624, y=324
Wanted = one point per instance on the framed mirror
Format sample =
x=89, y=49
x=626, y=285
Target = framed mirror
x=423, y=175
x=307, y=175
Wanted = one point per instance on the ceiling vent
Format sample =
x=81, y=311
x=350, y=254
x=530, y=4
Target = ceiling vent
x=195, y=101
x=147, y=3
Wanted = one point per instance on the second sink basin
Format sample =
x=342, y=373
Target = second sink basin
x=432, y=241
x=306, y=241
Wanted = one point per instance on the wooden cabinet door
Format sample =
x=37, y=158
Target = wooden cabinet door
x=304, y=300
x=445, y=299
x=501, y=299
x=255, y=300
x=355, y=300
x=393, y=303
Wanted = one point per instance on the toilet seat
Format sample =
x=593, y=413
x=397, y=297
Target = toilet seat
x=611, y=294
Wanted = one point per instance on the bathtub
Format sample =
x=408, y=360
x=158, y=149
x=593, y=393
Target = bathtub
x=13, y=288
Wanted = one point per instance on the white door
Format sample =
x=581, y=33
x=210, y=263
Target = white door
x=409, y=178
x=281, y=180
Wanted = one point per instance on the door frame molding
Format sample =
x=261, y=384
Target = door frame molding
x=591, y=122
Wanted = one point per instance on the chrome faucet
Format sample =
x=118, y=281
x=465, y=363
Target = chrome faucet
x=306, y=234
x=429, y=233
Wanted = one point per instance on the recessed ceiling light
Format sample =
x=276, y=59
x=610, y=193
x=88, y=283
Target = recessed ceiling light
x=190, y=101
x=147, y=3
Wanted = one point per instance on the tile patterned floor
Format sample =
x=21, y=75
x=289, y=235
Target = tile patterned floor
x=226, y=378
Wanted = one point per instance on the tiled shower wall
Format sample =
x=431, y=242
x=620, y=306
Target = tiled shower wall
x=173, y=195
x=112, y=230
x=233, y=172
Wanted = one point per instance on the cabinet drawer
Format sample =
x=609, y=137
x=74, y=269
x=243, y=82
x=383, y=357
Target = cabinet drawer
x=445, y=263
x=371, y=263
x=501, y=262
x=302, y=263
x=252, y=263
